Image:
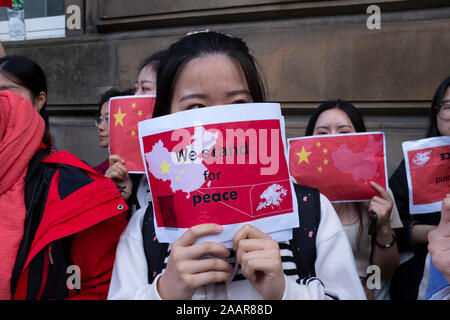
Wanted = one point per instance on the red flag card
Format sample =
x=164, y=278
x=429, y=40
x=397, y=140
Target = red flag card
x=6, y=3
x=224, y=165
x=340, y=166
x=427, y=163
x=124, y=113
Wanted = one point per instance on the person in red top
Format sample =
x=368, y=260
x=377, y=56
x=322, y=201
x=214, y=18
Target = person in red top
x=56, y=240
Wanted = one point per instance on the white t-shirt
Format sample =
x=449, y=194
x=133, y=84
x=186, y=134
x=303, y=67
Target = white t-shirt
x=363, y=248
x=336, y=275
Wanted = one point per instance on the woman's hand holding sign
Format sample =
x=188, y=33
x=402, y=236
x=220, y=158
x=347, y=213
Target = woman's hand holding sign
x=382, y=206
x=259, y=256
x=186, y=272
x=118, y=173
x=384, y=252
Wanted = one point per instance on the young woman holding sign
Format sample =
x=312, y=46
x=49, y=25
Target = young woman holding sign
x=200, y=70
x=380, y=248
x=134, y=188
x=414, y=236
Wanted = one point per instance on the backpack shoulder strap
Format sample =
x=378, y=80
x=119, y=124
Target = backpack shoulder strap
x=303, y=243
x=155, y=252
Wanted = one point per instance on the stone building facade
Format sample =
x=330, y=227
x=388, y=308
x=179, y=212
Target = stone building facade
x=308, y=51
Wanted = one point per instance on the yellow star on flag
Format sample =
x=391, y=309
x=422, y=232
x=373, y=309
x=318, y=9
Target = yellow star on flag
x=165, y=167
x=318, y=144
x=119, y=117
x=133, y=105
x=325, y=151
x=325, y=161
x=303, y=156
x=133, y=133
x=140, y=113
x=319, y=169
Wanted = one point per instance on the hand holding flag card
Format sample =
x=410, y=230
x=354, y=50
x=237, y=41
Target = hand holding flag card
x=340, y=166
x=427, y=163
x=223, y=165
x=125, y=112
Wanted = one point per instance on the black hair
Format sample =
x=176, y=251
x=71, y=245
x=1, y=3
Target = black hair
x=350, y=110
x=27, y=73
x=433, y=130
x=128, y=92
x=113, y=92
x=202, y=44
x=152, y=60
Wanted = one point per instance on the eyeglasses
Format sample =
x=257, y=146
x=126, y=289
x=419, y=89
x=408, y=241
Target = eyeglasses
x=101, y=121
x=444, y=110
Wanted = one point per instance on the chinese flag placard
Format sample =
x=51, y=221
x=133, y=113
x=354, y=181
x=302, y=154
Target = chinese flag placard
x=427, y=163
x=6, y=3
x=124, y=114
x=223, y=165
x=340, y=166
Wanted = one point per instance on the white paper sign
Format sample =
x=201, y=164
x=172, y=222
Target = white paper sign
x=224, y=165
x=427, y=163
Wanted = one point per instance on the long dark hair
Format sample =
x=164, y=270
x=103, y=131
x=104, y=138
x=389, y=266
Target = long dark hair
x=350, y=110
x=202, y=44
x=112, y=92
x=27, y=73
x=433, y=130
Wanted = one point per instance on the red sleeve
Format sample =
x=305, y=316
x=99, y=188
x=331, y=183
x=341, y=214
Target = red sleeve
x=93, y=251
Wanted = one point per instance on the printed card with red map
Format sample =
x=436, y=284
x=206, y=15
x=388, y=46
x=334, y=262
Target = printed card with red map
x=427, y=163
x=224, y=165
x=340, y=166
x=124, y=113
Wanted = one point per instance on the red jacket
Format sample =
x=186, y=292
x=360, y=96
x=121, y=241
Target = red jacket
x=84, y=208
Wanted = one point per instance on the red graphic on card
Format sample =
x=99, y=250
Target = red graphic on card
x=430, y=174
x=6, y=3
x=223, y=173
x=124, y=114
x=341, y=167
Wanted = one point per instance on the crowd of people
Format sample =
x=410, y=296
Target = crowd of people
x=59, y=212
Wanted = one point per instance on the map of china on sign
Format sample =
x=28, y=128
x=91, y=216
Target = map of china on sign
x=184, y=175
x=361, y=165
x=199, y=174
x=340, y=166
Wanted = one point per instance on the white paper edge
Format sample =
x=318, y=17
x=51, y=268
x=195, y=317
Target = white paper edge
x=421, y=144
x=266, y=111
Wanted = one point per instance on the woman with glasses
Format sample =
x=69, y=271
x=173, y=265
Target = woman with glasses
x=102, y=123
x=414, y=236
